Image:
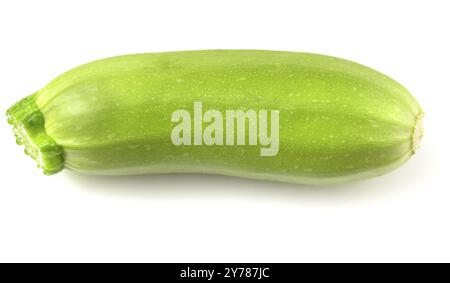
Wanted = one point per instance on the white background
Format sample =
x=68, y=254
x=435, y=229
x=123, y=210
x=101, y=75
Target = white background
x=403, y=216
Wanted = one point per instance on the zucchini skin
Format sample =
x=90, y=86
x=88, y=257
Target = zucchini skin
x=338, y=120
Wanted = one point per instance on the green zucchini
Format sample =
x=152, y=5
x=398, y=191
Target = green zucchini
x=284, y=116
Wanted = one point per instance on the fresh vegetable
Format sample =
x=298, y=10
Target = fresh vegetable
x=286, y=116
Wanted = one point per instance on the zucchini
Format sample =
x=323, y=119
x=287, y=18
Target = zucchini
x=284, y=116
